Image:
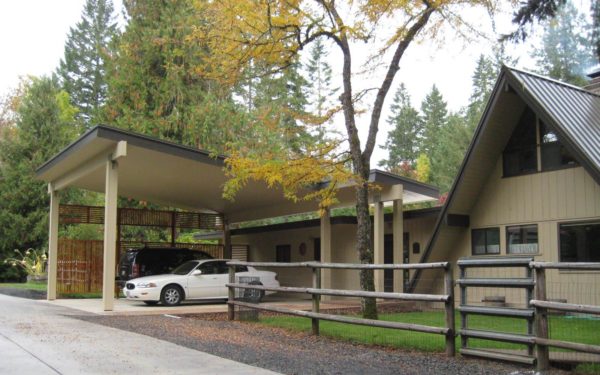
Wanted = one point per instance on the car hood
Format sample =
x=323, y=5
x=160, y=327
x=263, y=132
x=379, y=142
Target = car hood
x=158, y=279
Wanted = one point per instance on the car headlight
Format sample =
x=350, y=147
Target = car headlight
x=146, y=285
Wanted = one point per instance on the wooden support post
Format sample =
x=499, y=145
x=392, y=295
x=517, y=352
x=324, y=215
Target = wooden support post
x=326, y=251
x=53, y=243
x=398, y=244
x=173, y=228
x=541, y=320
x=528, y=298
x=449, y=305
x=316, y=282
x=227, y=253
x=110, y=236
x=464, y=341
x=378, y=241
x=230, y=307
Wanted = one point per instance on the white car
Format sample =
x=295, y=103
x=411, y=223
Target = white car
x=197, y=280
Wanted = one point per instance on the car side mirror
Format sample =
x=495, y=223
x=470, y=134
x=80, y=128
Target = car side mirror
x=196, y=273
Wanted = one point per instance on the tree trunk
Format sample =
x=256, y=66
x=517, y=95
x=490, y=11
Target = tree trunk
x=364, y=245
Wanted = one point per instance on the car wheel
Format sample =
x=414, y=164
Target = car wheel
x=253, y=295
x=151, y=303
x=171, y=295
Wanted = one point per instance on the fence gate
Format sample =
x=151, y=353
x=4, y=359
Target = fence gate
x=483, y=270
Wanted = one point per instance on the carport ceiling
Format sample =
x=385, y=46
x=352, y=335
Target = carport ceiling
x=179, y=176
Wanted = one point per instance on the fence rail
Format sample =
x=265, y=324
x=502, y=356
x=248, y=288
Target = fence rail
x=542, y=305
x=316, y=292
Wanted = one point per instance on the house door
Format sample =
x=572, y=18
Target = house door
x=388, y=258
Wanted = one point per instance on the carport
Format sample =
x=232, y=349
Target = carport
x=121, y=163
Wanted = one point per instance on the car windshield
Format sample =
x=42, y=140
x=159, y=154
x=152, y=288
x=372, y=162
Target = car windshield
x=185, y=268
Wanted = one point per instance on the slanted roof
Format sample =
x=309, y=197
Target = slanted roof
x=573, y=113
x=178, y=176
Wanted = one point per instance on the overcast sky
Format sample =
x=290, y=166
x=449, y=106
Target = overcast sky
x=33, y=33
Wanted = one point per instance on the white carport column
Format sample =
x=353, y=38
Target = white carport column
x=326, y=252
x=52, y=243
x=110, y=233
x=378, y=243
x=398, y=233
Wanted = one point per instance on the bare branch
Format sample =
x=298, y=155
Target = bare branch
x=389, y=78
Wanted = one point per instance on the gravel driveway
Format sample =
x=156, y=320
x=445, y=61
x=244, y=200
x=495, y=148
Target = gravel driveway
x=296, y=353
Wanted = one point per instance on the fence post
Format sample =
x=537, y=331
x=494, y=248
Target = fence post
x=449, y=305
x=316, y=281
x=541, y=320
x=231, y=290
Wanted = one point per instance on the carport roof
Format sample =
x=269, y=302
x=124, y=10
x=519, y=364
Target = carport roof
x=179, y=176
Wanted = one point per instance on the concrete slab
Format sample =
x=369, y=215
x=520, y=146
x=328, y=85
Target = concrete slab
x=41, y=338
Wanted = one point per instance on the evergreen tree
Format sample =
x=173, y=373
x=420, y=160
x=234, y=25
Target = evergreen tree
x=44, y=125
x=595, y=10
x=435, y=117
x=83, y=68
x=403, y=141
x=566, y=50
x=448, y=154
x=153, y=86
x=482, y=83
x=320, y=89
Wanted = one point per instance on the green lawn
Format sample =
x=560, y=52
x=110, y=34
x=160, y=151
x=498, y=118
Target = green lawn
x=42, y=286
x=577, y=329
x=31, y=285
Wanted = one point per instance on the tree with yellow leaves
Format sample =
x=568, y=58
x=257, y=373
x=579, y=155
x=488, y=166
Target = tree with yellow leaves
x=241, y=33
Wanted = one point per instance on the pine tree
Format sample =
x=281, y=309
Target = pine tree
x=566, y=50
x=44, y=125
x=153, y=86
x=320, y=88
x=435, y=117
x=595, y=10
x=482, y=83
x=282, y=96
x=403, y=141
x=83, y=68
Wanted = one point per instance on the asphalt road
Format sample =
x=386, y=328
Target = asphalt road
x=38, y=338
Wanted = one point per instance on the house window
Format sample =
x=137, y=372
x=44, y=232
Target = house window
x=520, y=154
x=283, y=253
x=554, y=154
x=485, y=241
x=522, y=239
x=579, y=242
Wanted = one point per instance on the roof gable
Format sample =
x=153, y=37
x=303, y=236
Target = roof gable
x=573, y=113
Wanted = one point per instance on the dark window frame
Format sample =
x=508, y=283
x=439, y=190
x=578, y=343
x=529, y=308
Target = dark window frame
x=485, y=230
x=518, y=144
x=555, y=146
x=283, y=253
x=573, y=224
x=522, y=229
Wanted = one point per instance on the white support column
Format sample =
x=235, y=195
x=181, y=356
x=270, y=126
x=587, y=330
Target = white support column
x=326, y=252
x=398, y=233
x=378, y=244
x=110, y=233
x=53, y=243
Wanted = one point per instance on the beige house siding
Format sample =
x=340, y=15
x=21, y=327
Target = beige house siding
x=262, y=249
x=546, y=199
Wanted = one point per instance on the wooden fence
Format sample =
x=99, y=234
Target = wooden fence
x=527, y=314
x=80, y=265
x=542, y=305
x=316, y=291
